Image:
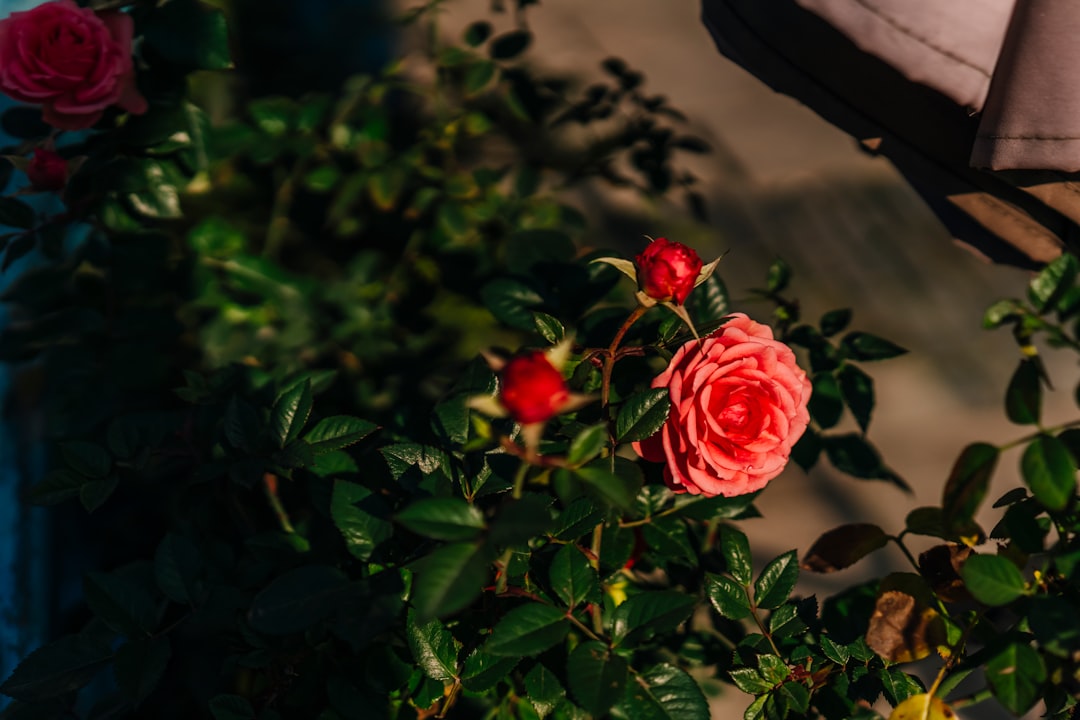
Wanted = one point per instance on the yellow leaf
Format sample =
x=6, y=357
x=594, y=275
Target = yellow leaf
x=922, y=707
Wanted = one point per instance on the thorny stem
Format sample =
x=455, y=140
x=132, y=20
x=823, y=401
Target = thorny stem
x=907, y=553
x=582, y=627
x=270, y=485
x=649, y=519
x=978, y=697
x=597, y=537
x=609, y=355
x=450, y=699
x=764, y=631
x=1033, y=436
x=519, y=480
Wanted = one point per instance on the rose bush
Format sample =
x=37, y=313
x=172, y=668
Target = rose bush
x=738, y=405
x=348, y=510
x=72, y=61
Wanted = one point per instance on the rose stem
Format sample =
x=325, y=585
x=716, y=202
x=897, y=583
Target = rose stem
x=597, y=536
x=609, y=356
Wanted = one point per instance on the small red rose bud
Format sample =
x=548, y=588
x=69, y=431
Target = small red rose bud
x=47, y=171
x=533, y=390
x=667, y=270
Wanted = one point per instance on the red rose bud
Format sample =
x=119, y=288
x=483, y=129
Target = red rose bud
x=533, y=390
x=47, y=171
x=667, y=270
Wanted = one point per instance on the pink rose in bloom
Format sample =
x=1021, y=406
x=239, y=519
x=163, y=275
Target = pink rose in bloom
x=47, y=171
x=667, y=270
x=71, y=61
x=533, y=390
x=738, y=404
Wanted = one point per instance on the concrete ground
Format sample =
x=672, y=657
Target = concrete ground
x=782, y=182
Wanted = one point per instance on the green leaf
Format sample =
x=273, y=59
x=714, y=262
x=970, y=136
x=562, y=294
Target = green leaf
x=967, y=484
x=572, y=577
x=241, y=425
x=189, y=34
x=86, y=458
x=290, y=414
x=597, y=677
x=1001, y=312
x=736, y=549
x=176, y=568
x=1052, y=282
x=899, y=686
x=642, y=415
x=94, y=493
x=477, y=33
x=59, y=485
x=549, y=328
x=826, y=406
x=482, y=671
x=519, y=521
x=587, y=444
x=295, y=601
x=540, y=251
x=727, y=596
x=835, y=321
x=121, y=602
x=779, y=276
x=337, y=432
x=857, y=390
x=1023, y=397
x=664, y=692
x=543, y=690
x=442, y=519
x=576, y=520
x=1016, y=676
x=618, y=488
x=433, y=647
x=231, y=707
x=844, y=546
x=152, y=192
x=749, y=681
x=992, y=579
x=642, y=617
x=852, y=454
x=697, y=507
x=772, y=668
x=866, y=347
x=709, y=301
x=140, y=663
x=15, y=213
x=449, y=579
x=1048, y=469
x=510, y=45
x=512, y=302
x=776, y=581
x=834, y=651
x=57, y=668
x=361, y=517
x=528, y=630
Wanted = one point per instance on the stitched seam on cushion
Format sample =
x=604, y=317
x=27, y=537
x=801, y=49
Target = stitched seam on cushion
x=1048, y=138
x=921, y=39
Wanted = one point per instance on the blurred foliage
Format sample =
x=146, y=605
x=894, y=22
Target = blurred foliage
x=250, y=340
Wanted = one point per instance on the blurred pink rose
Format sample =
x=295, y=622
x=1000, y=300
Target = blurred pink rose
x=738, y=404
x=71, y=61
